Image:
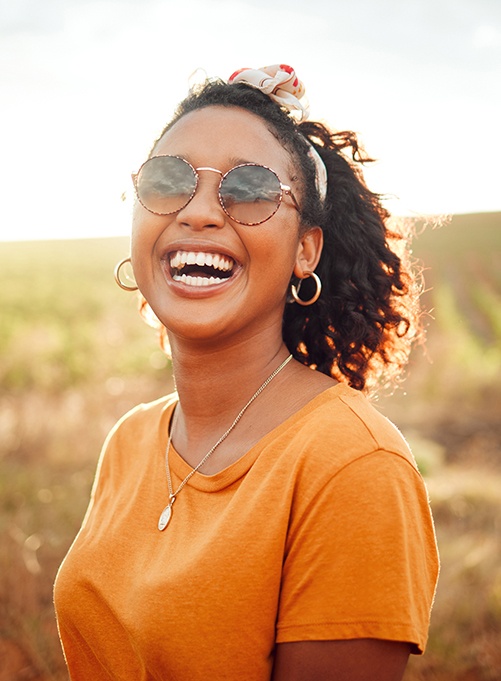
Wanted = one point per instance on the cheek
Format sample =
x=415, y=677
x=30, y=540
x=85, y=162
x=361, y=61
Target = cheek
x=146, y=230
x=139, y=220
x=278, y=248
x=273, y=268
x=144, y=235
x=136, y=241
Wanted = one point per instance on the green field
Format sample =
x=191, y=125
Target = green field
x=75, y=355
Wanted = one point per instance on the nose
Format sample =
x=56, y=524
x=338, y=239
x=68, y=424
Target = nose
x=204, y=209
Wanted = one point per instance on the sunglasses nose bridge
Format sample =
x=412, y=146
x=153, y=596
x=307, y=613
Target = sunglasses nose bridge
x=198, y=179
x=213, y=170
x=204, y=199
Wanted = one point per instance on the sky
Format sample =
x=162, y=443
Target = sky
x=86, y=85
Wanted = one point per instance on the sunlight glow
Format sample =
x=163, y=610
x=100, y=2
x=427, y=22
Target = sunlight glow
x=86, y=86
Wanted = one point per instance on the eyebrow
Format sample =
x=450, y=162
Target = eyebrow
x=234, y=161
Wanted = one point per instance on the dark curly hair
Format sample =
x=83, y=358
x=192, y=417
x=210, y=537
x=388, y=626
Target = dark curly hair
x=361, y=328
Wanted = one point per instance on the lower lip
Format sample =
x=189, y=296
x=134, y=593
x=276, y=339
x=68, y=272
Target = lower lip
x=190, y=291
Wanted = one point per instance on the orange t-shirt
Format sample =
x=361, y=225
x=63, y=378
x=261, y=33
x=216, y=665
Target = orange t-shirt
x=321, y=531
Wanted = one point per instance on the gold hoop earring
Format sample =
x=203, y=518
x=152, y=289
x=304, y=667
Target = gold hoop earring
x=295, y=290
x=117, y=276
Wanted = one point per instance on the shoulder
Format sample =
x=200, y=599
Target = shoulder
x=143, y=416
x=341, y=426
x=338, y=451
x=142, y=428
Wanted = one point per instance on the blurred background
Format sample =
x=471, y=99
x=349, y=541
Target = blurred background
x=85, y=86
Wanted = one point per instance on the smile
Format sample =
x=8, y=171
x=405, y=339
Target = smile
x=200, y=268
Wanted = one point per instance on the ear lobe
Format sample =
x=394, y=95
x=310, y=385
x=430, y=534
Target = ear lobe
x=308, y=252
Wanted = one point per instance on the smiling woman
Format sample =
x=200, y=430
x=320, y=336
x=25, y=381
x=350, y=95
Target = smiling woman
x=264, y=521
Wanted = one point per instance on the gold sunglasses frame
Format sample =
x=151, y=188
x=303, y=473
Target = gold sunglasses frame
x=284, y=188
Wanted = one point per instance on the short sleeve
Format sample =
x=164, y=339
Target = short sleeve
x=361, y=559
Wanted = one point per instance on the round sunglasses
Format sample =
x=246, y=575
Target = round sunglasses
x=248, y=193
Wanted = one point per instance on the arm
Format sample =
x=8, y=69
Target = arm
x=351, y=660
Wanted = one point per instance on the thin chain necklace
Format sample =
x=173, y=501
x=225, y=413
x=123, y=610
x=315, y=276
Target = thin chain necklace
x=166, y=514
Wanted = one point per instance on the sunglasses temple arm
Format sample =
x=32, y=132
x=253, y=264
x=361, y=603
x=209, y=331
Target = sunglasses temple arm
x=287, y=190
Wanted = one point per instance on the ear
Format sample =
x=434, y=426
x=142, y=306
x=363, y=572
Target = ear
x=308, y=252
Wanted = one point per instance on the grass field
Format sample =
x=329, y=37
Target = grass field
x=74, y=356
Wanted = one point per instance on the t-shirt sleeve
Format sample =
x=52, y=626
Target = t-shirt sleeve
x=361, y=558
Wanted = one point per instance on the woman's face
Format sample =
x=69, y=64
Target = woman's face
x=259, y=259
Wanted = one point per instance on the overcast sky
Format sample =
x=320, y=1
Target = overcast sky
x=86, y=85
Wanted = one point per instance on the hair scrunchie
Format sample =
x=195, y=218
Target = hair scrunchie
x=282, y=85
x=279, y=82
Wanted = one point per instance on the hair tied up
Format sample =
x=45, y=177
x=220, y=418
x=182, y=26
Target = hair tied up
x=280, y=83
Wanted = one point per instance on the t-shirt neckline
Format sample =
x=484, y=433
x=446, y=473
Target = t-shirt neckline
x=227, y=476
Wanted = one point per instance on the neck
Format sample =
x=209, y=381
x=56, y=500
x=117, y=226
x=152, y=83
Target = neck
x=213, y=384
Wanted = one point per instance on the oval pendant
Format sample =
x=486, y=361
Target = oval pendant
x=165, y=516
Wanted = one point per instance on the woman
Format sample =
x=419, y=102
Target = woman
x=264, y=522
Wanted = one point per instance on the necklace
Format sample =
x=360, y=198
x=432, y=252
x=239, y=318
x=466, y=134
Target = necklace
x=166, y=514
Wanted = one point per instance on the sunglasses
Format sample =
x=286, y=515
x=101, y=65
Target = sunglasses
x=248, y=193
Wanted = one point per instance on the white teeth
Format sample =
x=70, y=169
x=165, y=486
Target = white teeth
x=219, y=262
x=197, y=281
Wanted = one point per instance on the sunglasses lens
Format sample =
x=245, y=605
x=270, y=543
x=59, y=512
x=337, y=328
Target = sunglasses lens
x=165, y=184
x=250, y=194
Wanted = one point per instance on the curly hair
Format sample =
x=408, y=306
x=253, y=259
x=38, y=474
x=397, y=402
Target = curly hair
x=362, y=327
